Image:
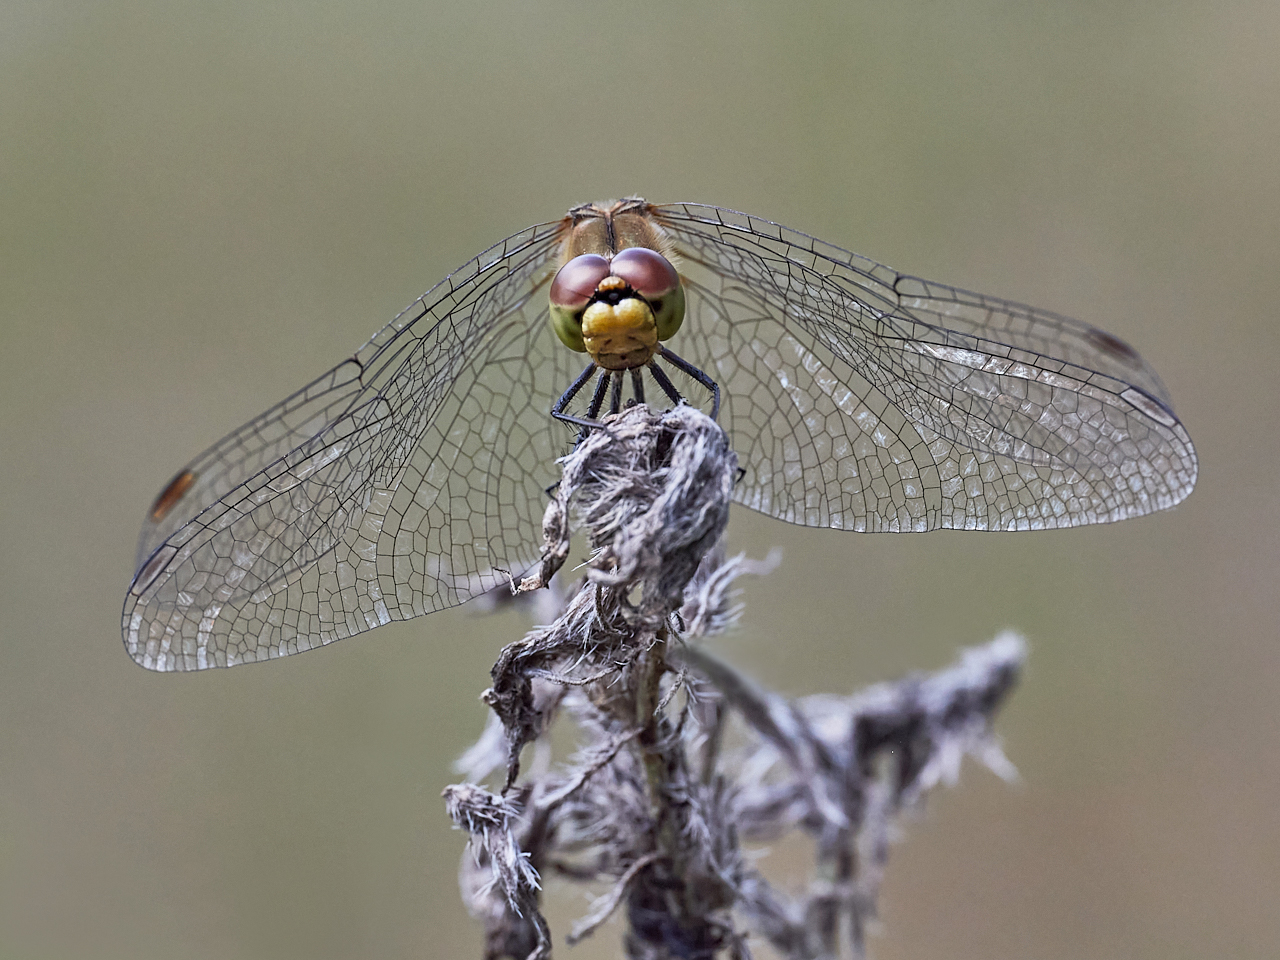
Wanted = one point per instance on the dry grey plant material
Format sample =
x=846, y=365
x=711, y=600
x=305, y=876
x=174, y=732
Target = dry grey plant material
x=684, y=760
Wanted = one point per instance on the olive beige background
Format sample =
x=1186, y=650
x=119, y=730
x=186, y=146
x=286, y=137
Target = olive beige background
x=204, y=205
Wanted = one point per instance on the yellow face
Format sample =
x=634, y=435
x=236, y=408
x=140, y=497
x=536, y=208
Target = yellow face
x=619, y=335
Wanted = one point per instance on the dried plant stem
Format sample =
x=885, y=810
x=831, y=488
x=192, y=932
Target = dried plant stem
x=651, y=665
x=684, y=759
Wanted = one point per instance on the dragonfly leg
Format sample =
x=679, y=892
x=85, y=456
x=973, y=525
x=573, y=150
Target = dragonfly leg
x=558, y=407
x=681, y=364
x=664, y=382
x=588, y=421
x=637, y=385
x=615, y=397
x=593, y=411
x=597, y=400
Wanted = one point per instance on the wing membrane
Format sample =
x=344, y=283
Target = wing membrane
x=862, y=399
x=404, y=481
x=410, y=477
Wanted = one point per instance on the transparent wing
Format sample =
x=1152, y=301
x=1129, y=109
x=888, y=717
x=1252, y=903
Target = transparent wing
x=409, y=478
x=862, y=399
x=238, y=456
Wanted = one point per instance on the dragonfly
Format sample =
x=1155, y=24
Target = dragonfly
x=413, y=475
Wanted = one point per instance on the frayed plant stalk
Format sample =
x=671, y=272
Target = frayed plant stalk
x=683, y=759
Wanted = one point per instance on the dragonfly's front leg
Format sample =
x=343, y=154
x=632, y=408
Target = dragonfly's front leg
x=557, y=410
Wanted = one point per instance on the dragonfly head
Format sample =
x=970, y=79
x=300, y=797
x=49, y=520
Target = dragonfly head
x=618, y=309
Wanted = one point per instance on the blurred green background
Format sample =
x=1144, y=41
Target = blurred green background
x=204, y=205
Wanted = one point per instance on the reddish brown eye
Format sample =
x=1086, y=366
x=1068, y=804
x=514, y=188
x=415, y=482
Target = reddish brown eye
x=577, y=280
x=648, y=272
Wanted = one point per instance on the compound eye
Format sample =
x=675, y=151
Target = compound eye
x=575, y=283
x=646, y=271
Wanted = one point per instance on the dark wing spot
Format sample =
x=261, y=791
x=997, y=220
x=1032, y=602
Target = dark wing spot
x=171, y=494
x=1113, y=346
x=1149, y=405
x=152, y=569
